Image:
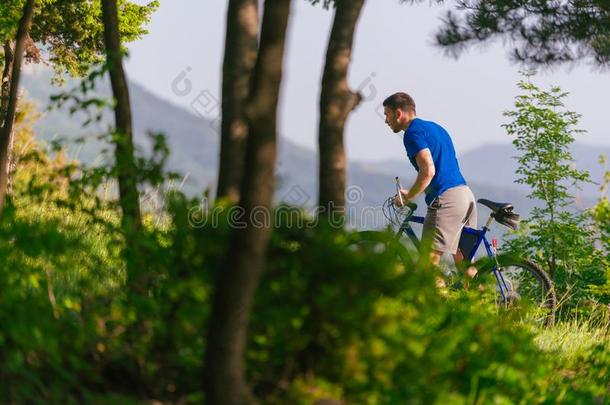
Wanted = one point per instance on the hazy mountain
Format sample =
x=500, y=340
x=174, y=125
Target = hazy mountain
x=495, y=164
x=194, y=142
x=490, y=171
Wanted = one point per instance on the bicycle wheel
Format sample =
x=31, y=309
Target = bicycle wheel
x=522, y=283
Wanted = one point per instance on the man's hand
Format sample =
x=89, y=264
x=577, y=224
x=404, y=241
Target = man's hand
x=425, y=174
x=401, y=202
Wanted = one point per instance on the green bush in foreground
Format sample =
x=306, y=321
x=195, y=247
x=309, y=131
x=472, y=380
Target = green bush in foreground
x=329, y=320
x=367, y=326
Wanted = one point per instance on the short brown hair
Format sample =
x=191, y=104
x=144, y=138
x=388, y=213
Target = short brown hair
x=400, y=100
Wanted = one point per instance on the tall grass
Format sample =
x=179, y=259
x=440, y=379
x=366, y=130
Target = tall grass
x=572, y=338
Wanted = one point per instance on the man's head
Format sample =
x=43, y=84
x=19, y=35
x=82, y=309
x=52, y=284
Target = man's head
x=399, y=110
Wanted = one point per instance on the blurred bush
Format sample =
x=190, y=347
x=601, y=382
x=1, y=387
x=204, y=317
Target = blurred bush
x=330, y=321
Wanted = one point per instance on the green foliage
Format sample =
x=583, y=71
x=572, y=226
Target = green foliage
x=561, y=239
x=601, y=212
x=10, y=13
x=542, y=32
x=571, y=340
x=601, y=217
x=585, y=378
x=542, y=132
x=71, y=32
x=384, y=336
x=329, y=320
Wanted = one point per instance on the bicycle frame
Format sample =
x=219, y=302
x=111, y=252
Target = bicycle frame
x=480, y=234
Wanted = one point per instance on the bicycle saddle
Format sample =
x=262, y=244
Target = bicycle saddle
x=502, y=213
x=495, y=206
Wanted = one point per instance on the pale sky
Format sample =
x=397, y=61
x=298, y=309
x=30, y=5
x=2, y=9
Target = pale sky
x=393, y=51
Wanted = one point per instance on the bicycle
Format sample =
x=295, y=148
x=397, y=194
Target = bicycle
x=515, y=280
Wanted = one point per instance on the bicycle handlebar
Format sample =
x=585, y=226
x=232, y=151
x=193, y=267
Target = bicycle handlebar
x=398, y=188
x=398, y=214
x=411, y=205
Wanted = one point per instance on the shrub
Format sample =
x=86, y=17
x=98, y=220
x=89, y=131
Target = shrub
x=556, y=236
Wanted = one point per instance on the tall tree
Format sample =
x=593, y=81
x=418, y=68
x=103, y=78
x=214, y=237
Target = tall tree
x=543, y=32
x=123, y=137
x=241, y=45
x=337, y=101
x=71, y=34
x=245, y=259
x=9, y=105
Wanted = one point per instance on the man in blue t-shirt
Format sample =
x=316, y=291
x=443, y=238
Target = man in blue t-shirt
x=451, y=204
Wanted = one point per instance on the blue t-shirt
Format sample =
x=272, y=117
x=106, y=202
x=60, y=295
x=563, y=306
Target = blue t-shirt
x=427, y=134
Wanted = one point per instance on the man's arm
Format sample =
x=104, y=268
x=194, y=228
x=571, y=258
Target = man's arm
x=424, y=175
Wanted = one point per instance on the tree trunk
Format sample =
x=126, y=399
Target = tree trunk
x=9, y=57
x=13, y=63
x=553, y=258
x=6, y=153
x=241, y=46
x=245, y=260
x=129, y=198
x=123, y=138
x=337, y=101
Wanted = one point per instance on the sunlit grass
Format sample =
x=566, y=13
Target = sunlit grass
x=570, y=339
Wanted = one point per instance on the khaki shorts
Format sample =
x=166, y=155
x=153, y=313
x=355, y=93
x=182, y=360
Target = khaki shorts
x=447, y=215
